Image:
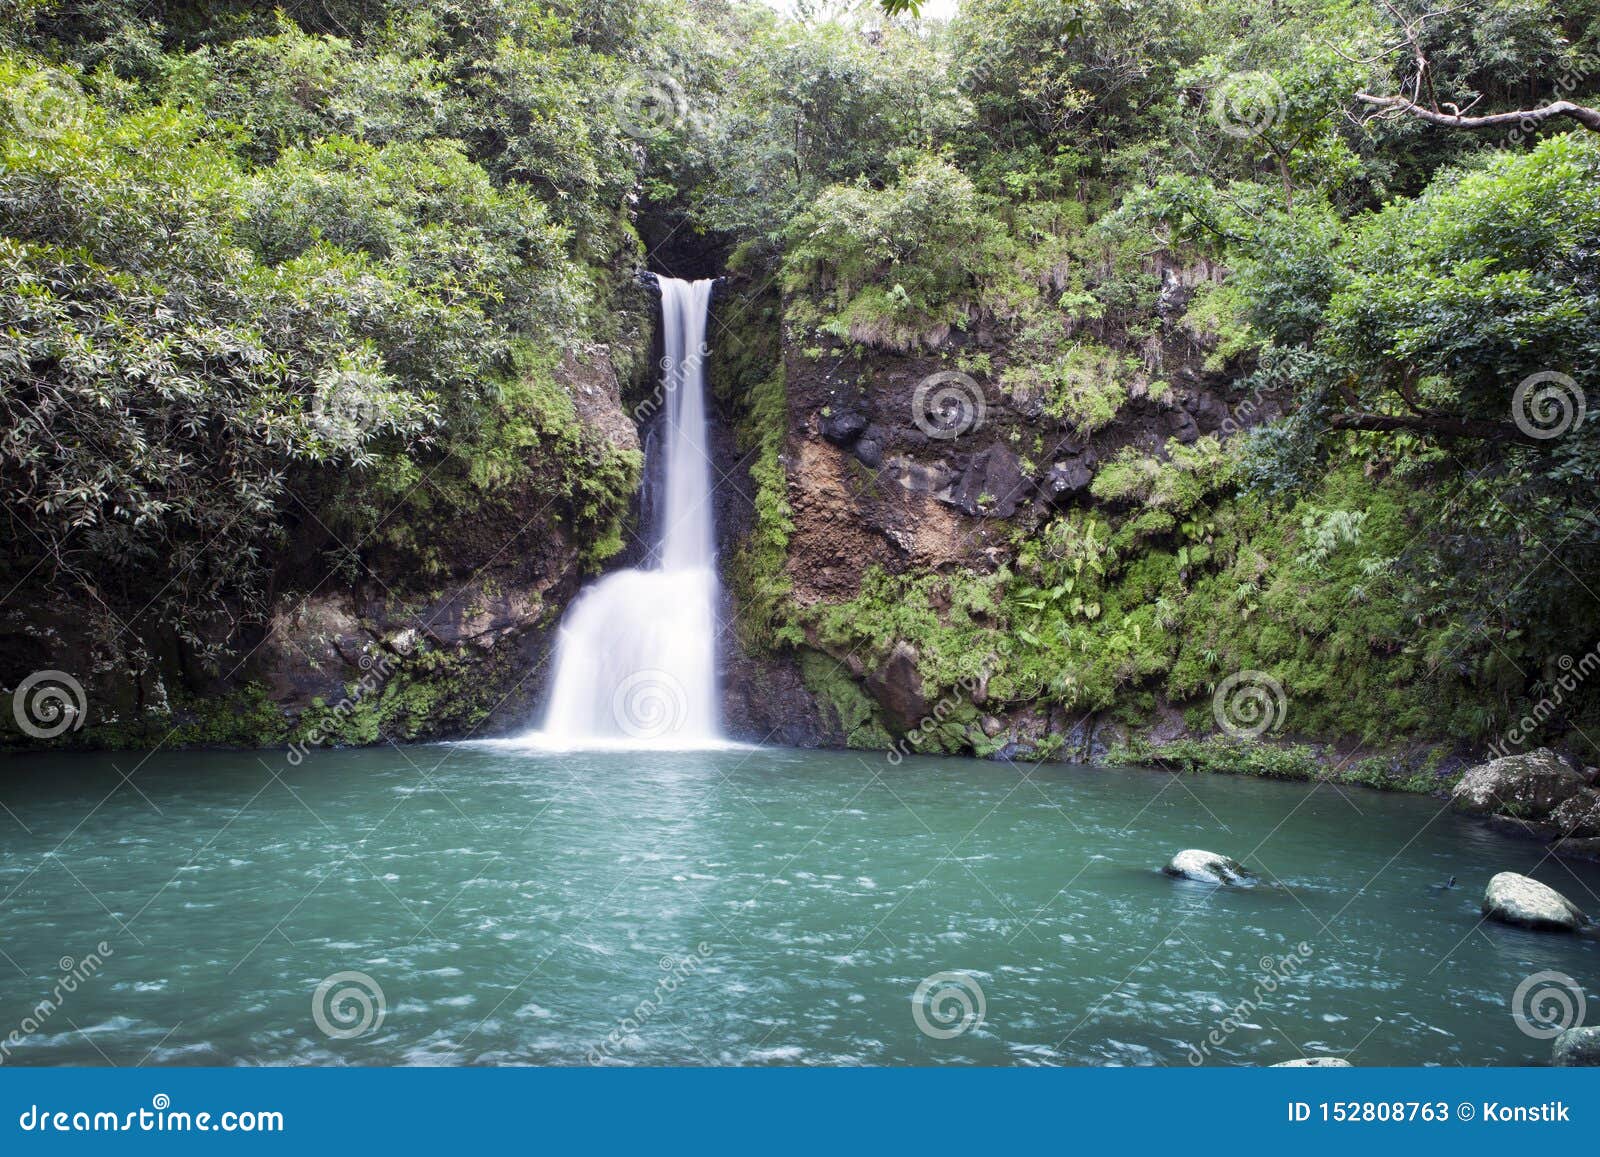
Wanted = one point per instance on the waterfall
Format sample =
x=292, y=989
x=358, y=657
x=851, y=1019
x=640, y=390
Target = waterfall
x=636, y=656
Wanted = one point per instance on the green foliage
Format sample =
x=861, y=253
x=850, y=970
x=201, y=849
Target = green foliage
x=759, y=569
x=333, y=267
x=892, y=264
x=293, y=272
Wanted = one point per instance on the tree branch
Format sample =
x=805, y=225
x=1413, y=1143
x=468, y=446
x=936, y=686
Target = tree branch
x=1589, y=118
x=1442, y=425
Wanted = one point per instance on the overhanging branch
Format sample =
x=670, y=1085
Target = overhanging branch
x=1589, y=118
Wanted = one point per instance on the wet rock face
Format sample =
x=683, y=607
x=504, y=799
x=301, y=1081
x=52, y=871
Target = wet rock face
x=765, y=700
x=897, y=686
x=905, y=461
x=1515, y=899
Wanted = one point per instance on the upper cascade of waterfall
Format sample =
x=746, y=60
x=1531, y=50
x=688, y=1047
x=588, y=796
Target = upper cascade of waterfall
x=636, y=657
x=685, y=537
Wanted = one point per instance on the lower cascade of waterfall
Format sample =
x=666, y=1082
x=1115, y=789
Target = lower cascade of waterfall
x=636, y=656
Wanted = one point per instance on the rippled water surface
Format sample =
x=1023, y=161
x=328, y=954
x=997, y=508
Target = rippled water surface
x=742, y=907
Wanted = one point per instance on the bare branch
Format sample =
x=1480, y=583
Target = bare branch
x=1589, y=118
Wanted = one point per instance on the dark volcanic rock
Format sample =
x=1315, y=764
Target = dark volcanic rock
x=992, y=484
x=869, y=447
x=1069, y=478
x=842, y=426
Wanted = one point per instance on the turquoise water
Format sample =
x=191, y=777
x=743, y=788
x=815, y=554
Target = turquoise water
x=741, y=907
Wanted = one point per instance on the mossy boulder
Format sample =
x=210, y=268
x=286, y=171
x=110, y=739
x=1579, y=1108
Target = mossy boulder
x=1516, y=899
x=1530, y=786
x=1579, y=815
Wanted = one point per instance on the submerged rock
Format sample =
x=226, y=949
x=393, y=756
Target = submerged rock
x=1314, y=1063
x=1208, y=868
x=1515, y=899
x=1576, y=1046
x=1530, y=786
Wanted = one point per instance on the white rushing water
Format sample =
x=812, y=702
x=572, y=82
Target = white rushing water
x=636, y=657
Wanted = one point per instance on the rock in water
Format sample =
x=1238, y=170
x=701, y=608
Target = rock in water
x=1314, y=1063
x=1577, y=1046
x=1208, y=868
x=1530, y=786
x=1515, y=899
